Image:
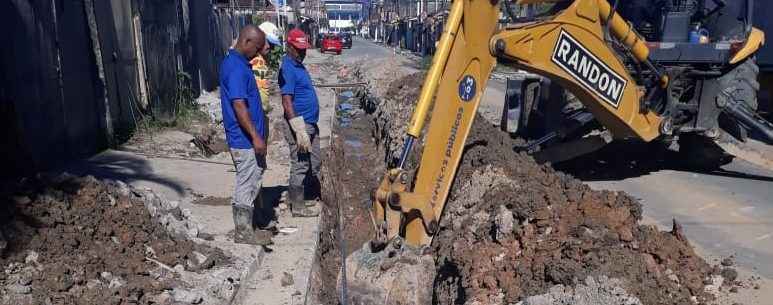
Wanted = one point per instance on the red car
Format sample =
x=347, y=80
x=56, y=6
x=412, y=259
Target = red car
x=331, y=43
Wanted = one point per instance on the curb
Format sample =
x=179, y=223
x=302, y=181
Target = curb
x=240, y=294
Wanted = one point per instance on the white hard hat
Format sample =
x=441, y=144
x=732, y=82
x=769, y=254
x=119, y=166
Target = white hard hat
x=271, y=32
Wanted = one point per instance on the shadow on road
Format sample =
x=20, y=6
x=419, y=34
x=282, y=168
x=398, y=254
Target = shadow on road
x=264, y=211
x=623, y=160
x=121, y=166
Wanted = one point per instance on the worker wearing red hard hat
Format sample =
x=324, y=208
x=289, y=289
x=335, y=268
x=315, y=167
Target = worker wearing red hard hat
x=301, y=109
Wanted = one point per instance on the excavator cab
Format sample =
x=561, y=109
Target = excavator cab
x=706, y=48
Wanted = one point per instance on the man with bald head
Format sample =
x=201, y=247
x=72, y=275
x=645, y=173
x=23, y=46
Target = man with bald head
x=245, y=132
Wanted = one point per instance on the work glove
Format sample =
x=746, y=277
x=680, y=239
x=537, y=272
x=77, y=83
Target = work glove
x=301, y=136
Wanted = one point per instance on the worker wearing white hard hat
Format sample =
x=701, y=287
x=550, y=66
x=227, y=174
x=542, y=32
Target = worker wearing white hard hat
x=261, y=71
x=271, y=32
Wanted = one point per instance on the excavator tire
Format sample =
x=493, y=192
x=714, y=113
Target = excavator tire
x=701, y=153
x=743, y=79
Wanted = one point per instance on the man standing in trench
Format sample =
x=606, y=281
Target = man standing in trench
x=244, y=124
x=301, y=110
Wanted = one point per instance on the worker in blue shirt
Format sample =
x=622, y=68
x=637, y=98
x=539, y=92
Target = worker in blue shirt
x=301, y=110
x=243, y=120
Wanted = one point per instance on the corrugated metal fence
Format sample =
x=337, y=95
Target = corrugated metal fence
x=76, y=74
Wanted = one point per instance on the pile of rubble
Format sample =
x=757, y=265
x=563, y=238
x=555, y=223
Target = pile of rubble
x=79, y=240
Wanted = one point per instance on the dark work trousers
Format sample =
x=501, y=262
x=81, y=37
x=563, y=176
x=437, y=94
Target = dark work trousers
x=304, y=166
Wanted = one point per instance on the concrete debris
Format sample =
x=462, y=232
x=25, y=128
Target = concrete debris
x=187, y=296
x=715, y=285
x=32, y=258
x=267, y=275
x=209, y=103
x=729, y=274
x=386, y=276
x=601, y=291
x=116, y=283
x=94, y=243
x=727, y=262
x=287, y=279
x=18, y=289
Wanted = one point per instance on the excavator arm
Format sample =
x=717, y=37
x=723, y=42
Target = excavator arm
x=569, y=48
x=454, y=84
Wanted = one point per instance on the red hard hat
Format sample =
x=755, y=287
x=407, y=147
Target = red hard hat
x=298, y=39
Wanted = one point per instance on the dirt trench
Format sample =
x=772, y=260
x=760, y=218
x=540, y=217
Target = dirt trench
x=513, y=231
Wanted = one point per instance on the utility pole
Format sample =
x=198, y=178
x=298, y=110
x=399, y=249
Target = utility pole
x=279, y=20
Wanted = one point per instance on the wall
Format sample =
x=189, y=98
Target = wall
x=76, y=75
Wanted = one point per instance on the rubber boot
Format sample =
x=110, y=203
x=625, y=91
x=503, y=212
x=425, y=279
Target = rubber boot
x=311, y=203
x=314, y=190
x=243, y=232
x=297, y=204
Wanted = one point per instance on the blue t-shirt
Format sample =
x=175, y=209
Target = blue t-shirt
x=238, y=82
x=296, y=81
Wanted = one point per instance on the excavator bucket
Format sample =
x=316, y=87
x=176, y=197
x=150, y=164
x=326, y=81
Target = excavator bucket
x=397, y=275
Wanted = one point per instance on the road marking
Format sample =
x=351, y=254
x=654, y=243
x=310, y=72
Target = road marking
x=708, y=206
x=761, y=237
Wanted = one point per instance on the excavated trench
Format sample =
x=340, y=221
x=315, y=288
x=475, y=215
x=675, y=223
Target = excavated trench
x=513, y=231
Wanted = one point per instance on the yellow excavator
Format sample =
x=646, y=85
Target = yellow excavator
x=690, y=79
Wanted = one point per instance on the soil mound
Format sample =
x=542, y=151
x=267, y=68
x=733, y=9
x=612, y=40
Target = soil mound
x=532, y=228
x=84, y=241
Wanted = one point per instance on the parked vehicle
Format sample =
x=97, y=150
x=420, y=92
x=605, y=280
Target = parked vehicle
x=346, y=40
x=331, y=43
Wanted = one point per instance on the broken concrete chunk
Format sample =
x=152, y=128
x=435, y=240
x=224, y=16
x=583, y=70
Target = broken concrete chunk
x=729, y=274
x=168, y=205
x=287, y=279
x=504, y=223
x=116, y=283
x=267, y=275
x=23, y=278
x=31, y=258
x=199, y=261
x=179, y=268
x=727, y=262
x=122, y=188
x=107, y=276
x=601, y=291
x=162, y=298
x=93, y=284
x=187, y=296
x=19, y=289
x=200, y=258
x=716, y=283
x=409, y=279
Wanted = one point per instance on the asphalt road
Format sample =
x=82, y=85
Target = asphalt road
x=725, y=212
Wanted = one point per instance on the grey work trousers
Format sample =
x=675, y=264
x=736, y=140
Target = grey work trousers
x=304, y=166
x=249, y=175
